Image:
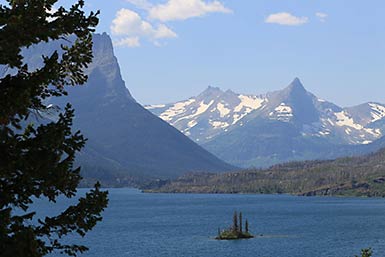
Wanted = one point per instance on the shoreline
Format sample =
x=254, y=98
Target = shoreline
x=241, y=193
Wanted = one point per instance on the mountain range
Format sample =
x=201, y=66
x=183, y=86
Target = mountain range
x=281, y=126
x=128, y=143
x=125, y=141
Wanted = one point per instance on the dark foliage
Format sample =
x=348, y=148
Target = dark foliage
x=37, y=161
x=240, y=222
x=235, y=222
x=366, y=253
x=235, y=231
x=247, y=226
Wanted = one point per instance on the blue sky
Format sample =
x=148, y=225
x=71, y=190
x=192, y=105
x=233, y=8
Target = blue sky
x=170, y=50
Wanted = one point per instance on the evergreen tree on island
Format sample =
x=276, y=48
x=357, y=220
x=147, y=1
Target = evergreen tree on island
x=240, y=222
x=37, y=161
x=236, y=230
x=366, y=252
x=235, y=222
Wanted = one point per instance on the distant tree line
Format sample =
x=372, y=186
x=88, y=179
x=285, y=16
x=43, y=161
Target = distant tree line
x=354, y=176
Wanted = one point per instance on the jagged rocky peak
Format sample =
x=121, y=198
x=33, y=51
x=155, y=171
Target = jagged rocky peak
x=228, y=122
x=105, y=85
x=211, y=92
x=230, y=94
x=296, y=102
x=102, y=46
x=105, y=63
x=296, y=84
x=123, y=137
x=293, y=93
x=295, y=88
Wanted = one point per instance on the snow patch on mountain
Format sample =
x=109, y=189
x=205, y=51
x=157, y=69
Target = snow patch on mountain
x=202, y=108
x=223, y=111
x=175, y=110
x=378, y=112
x=155, y=106
x=249, y=103
x=237, y=117
x=219, y=124
x=282, y=112
x=326, y=132
x=215, y=112
x=343, y=119
x=192, y=123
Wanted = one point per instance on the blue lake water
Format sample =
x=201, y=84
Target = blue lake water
x=179, y=225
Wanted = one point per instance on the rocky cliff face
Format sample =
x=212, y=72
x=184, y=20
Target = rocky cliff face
x=124, y=139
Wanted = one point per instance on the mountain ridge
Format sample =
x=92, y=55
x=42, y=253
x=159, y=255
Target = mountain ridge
x=225, y=124
x=125, y=141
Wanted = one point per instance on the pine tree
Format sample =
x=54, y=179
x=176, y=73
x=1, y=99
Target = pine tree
x=366, y=252
x=37, y=161
x=240, y=222
x=235, y=222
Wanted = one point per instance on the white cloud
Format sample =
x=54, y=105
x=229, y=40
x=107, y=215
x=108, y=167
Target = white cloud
x=185, y=9
x=164, y=32
x=130, y=27
x=128, y=42
x=129, y=24
x=285, y=18
x=321, y=16
x=142, y=4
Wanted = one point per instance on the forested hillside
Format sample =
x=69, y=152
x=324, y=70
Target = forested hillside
x=358, y=176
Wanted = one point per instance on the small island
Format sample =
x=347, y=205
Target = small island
x=236, y=231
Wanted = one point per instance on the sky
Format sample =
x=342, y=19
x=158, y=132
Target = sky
x=170, y=50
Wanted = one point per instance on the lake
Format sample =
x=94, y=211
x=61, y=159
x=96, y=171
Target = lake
x=184, y=225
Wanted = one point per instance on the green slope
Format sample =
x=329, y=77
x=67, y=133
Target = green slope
x=354, y=176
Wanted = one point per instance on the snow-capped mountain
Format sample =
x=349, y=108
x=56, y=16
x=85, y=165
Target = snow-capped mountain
x=234, y=126
x=215, y=112
x=210, y=113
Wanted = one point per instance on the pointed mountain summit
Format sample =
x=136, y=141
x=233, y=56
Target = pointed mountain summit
x=124, y=139
x=295, y=98
x=296, y=85
x=294, y=90
x=285, y=125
